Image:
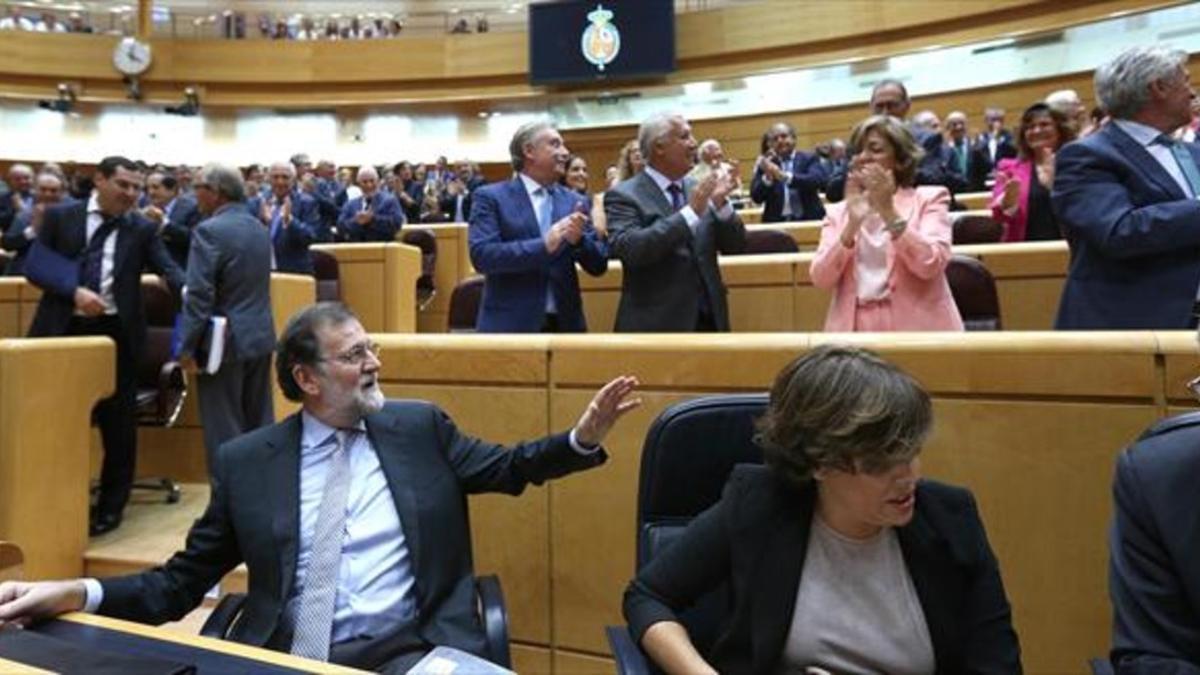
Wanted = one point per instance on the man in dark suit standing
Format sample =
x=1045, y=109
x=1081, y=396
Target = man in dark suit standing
x=1154, y=552
x=112, y=246
x=890, y=97
x=997, y=140
x=526, y=234
x=667, y=232
x=174, y=214
x=970, y=159
x=374, y=216
x=229, y=275
x=787, y=180
x=350, y=477
x=1126, y=197
x=292, y=218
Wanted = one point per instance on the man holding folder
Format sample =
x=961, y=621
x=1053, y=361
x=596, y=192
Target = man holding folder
x=229, y=281
x=88, y=261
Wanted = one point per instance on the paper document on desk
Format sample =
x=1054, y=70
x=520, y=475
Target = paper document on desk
x=217, y=331
x=448, y=660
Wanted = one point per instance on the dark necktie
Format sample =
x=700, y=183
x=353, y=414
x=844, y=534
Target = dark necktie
x=676, y=196
x=1184, y=159
x=93, y=254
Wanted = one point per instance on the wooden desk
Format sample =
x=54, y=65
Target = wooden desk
x=133, y=639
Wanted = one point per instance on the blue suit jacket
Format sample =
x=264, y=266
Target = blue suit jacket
x=1134, y=237
x=389, y=217
x=507, y=247
x=808, y=176
x=177, y=232
x=291, y=243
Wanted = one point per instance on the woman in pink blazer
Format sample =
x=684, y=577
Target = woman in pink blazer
x=1021, y=195
x=884, y=249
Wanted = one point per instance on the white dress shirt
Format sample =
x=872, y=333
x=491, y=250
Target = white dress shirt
x=688, y=213
x=1147, y=137
x=94, y=219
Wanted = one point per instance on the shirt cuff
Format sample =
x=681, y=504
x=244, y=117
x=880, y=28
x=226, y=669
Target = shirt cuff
x=29, y=232
x=787, y=177
x=725, y=212
x=575, y=445
x=690, y=216
x=93, y=596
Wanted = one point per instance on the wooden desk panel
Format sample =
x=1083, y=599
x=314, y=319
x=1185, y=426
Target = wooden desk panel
x=452, y=266
x=378, y=281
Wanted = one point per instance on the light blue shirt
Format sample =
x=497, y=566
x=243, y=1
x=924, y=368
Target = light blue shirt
x=1147, y=136
x=375, y=589
x=689, y=215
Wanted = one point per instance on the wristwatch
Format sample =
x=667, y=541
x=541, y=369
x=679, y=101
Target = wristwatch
x=896, y=227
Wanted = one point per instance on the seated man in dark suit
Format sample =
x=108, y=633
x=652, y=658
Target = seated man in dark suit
x=890, y=97
x=526, y=234
x=352, y=475
x=667, y=232
x=1154, y=556
x=292, y=219
x=112, y=245
x=970, y=159
x=174, y=214
x=374, y=216
x=24, y=227
x=1126, y=197
x=787, y=180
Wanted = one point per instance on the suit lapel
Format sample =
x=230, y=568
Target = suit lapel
x=931, y=568
x=282, y=475
x=1145, y=162
x=124, y=233
x=777, y=579
x=520, y=198
x=653, y=194
x=392, y=444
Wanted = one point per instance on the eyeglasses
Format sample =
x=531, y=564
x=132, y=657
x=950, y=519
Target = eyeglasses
x=356, y=355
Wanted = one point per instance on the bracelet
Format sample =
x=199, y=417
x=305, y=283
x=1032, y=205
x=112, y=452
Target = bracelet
x=896, y=227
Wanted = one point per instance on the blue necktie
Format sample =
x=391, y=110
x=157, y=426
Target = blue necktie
x=1185, y=161
x=544, y=225
x=93, y=255
x=676, y=196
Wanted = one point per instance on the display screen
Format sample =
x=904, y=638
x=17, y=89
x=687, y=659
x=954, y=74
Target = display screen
x=577, y=41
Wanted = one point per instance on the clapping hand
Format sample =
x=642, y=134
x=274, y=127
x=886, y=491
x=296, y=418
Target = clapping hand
x=607, y=406
x=568, y=229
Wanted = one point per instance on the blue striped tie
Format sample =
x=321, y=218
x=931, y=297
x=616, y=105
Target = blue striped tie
x=1184, y=159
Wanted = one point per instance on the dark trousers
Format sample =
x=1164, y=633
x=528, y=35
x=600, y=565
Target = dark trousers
x=234, y=400
x=115, y=415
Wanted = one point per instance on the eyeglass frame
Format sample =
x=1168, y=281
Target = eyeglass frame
x=356, y=355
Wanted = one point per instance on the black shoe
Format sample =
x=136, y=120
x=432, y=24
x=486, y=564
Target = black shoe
x=103, y=523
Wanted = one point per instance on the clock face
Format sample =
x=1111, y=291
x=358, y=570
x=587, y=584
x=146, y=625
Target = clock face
x=131, y=56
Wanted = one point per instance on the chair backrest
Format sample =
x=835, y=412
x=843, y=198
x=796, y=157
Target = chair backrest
x=427, y=242
x=464, y=304
x=769, y=241
x=974, y=291
x=688, y=454
x=12, y=562
x=325, y=271
x=975, y=228
x=160, y=307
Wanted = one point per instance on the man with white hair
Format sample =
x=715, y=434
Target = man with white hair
x=26, y=224
x=667, y=231
x=1067, y=102
x=1126, y=197
x=374, y=216
x=970, y=159
x=292, y=219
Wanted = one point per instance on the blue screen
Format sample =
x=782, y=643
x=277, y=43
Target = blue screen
x=625, y=38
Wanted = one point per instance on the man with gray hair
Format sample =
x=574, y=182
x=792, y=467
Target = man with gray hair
x=1067, y=102
x=292, y=218
x=373, y=216
x=229, y=276
x=525, y=236
x=19, y=235
x=667, y=231
x=1126, y=198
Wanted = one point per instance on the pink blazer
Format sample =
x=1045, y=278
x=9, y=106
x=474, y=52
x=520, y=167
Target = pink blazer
x=920, y=295
x=1014, y=225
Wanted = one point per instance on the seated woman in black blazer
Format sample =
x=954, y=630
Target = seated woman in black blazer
x=839, y=558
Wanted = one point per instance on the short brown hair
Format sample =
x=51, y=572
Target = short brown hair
x=842, y=407
x=1066, y=128
x=908, y=153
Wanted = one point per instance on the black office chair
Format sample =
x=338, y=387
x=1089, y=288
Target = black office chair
x=492, y=614
x=687, y=456
x=161, y=384
x=464, y=304
x=325, y=271
x=974, y=228
x=769, y=241
x=427, y=242
x=974, y=291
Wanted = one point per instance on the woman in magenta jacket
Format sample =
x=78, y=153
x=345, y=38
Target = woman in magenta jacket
x=1021, y=195
x=884, y=249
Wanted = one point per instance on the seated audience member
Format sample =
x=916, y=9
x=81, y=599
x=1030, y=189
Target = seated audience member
x=174, y=215
x=1067, y=102
x=526, y=236
x=786, y=181
x=375, y=216
x=20, y=187
x=970, y=159
x=16, y=20
x=995, y=138
x=629, y=162
x=1126, y=198
x=929, y=121
x=49, y=24
x=307, y=30
x=890, y=97
x=1154, y=552
x=885, y=248
x=667, y=232
x=76, y=23
x=326, y=477
x=1021, y=194
x=27, y=223
x=331, y=30
x=292, y=218
x=838, y=556
x=456, y=200
x=576, y=179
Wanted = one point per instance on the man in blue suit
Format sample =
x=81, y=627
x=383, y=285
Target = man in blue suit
x=1126, y=197
x=292, y=218
x=174, y=214
x=787, y=180
x=526, y=235
x=375, y=216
